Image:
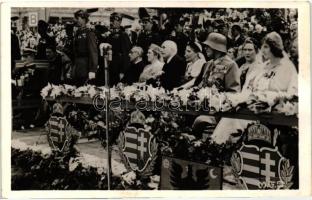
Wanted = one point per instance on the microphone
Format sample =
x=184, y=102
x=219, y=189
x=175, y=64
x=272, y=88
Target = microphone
x=106, y=50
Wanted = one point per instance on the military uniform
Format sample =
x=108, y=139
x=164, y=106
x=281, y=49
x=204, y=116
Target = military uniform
x=85, y=55
x=225, y=75
x=121, y=46
x=15, y=50
x=222, y=72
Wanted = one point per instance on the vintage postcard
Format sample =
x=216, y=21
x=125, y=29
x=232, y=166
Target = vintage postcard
x=155, y=99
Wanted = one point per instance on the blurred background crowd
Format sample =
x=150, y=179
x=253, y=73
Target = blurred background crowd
x=180, y=25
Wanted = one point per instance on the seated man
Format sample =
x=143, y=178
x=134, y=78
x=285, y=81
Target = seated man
x=174, y=67
x=137, y=65
x=221, y=71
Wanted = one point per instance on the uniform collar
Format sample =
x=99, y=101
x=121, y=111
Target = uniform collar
x=219, y=60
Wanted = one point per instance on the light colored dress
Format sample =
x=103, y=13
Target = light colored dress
x=152, y=70
x=192, y=71
x=280, y=78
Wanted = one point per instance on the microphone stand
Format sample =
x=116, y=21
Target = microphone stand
x=107, y=95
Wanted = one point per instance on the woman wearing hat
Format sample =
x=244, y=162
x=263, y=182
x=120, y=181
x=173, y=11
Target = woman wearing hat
x=195, y=62
x=253, y=61
x=278, y=74
x=154, y=69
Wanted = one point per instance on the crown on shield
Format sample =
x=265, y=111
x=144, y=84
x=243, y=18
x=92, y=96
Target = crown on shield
x=137, y=117
x=259, y=132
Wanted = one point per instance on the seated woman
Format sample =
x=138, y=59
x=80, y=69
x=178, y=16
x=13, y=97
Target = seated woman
x=154, y=69
x=195, y=61
x=253, y=60
x=278, y=74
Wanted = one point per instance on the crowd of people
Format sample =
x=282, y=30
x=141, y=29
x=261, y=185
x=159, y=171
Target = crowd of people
x=186, y=35
x=235, y=50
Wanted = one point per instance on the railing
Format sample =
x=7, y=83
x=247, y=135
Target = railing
x=268, y=118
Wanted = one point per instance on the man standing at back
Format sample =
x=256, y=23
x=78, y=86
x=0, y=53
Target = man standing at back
x=121, y=46
x=85, y=51
x=174, y=68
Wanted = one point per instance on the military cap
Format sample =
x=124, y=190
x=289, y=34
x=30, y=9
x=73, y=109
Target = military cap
x=81, y=13
x=143, y=14
x=116, y=16
x=217, y=42
x=14, y=18
x=42, y=23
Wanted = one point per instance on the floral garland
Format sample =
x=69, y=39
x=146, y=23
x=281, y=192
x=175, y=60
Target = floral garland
x=34, y=171
x=211, y=98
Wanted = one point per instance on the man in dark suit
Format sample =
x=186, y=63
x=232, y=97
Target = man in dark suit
x=15, y=47
x=174, y=68
x=136, y=67
x=237, y=37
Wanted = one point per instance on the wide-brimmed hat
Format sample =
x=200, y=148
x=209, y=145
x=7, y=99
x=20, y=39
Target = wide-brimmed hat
x=217, y=42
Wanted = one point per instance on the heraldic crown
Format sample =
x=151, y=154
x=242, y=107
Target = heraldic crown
x=137, y=117
x=259, y=132
x=58, y=108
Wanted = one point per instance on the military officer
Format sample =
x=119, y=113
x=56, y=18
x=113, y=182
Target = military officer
x=148, y=35
x=85, y=51
x=220, y=71
x=121, y=45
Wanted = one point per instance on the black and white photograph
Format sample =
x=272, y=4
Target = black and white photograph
x=156, y=98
